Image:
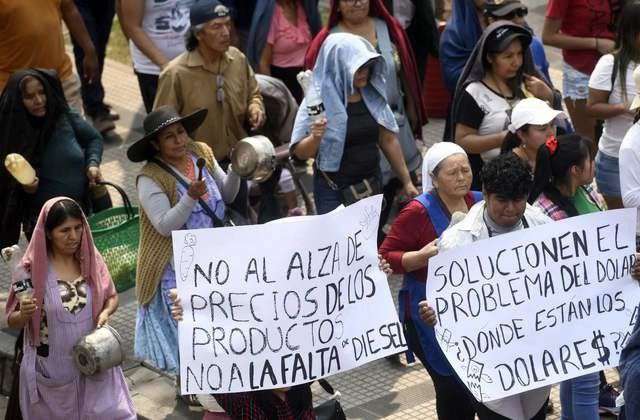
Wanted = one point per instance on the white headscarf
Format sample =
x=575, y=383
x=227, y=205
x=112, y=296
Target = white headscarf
x=436, y=154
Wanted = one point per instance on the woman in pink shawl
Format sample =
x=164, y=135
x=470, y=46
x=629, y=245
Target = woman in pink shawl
x=72, y=295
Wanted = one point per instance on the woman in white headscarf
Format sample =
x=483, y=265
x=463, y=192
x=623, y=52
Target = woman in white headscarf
x=446, y=180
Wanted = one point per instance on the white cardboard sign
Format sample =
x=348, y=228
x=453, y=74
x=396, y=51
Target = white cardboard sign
x=535, y=307
x=280, y=304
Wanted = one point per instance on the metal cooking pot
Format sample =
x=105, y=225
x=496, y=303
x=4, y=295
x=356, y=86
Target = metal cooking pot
x=98, y=351
x=254, y=157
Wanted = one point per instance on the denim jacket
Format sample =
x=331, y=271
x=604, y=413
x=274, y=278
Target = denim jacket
x=340, y=57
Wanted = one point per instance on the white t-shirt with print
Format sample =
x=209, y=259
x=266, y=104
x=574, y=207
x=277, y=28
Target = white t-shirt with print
x=614, y=128
x=486, y=111
x=165, y=23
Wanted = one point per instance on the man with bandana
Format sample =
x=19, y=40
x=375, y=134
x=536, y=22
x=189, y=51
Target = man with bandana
x=213, y=75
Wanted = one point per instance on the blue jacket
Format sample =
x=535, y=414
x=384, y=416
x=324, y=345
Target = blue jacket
x=261, y=22
x=539, y=57
x=341, y=55
x=458, y=41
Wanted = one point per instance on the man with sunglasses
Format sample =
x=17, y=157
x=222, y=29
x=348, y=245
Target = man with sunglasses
x=213, y=75
x=516, y=12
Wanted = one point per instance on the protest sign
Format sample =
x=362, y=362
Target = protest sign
x=275, y=305
x=535, y=307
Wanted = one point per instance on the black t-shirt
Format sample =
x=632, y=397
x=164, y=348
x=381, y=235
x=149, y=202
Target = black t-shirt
x=469, y=112
x=361, y=157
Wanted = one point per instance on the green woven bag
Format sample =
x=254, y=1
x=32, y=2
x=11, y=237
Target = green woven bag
x=116, y=234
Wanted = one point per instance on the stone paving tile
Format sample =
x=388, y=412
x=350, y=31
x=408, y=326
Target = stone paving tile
x=425, y=410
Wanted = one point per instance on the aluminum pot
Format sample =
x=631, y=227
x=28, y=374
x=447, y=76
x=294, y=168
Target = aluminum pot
x=254, y=157
x=98, y=351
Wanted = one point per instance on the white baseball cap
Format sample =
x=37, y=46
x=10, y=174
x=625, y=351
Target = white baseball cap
x=636, y=78
x=533, y=111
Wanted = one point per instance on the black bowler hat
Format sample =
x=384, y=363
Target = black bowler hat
x=153, y=123
x=202, y=11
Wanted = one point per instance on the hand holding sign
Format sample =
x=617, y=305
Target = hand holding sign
x=427, y=314
x=384, y=266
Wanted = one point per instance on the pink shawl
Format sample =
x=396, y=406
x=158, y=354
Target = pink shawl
x=36, y=261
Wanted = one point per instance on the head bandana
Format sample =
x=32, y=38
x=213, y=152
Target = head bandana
x=436, y=154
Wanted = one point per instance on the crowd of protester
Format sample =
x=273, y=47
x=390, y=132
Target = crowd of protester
x=212, y=72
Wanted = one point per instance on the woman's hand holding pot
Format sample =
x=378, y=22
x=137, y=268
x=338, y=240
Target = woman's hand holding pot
x=103, y=318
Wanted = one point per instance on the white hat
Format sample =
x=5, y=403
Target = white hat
x=436, y=154
x=532, y=111
x=636, y=78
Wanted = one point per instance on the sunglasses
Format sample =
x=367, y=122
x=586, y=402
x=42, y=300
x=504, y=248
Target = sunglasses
x=219, y=89
x=521, y=12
